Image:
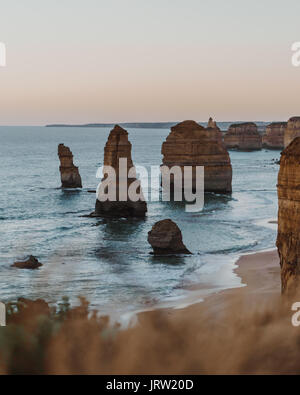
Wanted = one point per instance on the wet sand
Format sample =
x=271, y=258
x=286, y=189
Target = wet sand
x=260, y=275
x=242, y=330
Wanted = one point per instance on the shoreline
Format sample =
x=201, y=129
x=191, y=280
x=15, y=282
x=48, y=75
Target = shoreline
x=259, y=274
x=245, y=330
x=198, y=295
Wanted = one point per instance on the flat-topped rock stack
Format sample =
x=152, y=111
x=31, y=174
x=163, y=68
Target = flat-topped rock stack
x=70, y=177
x=122, y=205
x=288, y=238
x=243, y=137
x=190, y=144
x=292, y=130
x=274, y=136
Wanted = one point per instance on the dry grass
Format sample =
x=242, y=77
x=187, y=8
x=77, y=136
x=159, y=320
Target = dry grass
x=73, y=341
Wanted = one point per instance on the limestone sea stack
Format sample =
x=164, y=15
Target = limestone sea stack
x=243, y=137
x=288, y=237
x=190, y=144
x=122, y=205
x=274, y=136
x=70, y=177
x=292, y=130
x=166, y=239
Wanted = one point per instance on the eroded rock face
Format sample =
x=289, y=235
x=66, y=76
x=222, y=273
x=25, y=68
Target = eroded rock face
x=292, y=130
x=274, y=136
x=70, y=177
x=288, y=238
x=190, y=144
x=119, y=148
x=165, y=238
x=30, y=263
x=243, y=137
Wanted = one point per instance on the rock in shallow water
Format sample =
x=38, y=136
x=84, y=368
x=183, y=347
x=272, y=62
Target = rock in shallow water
x=70, y=177
x=30, y=263
x=165, y=238
x=243, y=137
x=274, y=136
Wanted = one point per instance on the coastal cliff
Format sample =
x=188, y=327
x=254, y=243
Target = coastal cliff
x=243, y=137
x=274, y=136
x=70, y=177
x=119, y=148
x=288, y=238
x=190, y=144
x=292, y=130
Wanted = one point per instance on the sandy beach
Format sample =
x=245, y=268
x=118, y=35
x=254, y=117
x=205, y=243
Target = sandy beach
x=260, y=275
x=244, y=330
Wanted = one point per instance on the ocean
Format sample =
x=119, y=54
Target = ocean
x=108, y=261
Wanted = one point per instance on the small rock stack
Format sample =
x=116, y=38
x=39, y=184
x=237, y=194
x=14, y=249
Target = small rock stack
x=166, y=239
x=243, y=137
x=70, y=177
x=274, y=136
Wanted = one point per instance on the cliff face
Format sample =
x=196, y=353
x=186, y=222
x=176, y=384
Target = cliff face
x=70, y=177
x=190, y=144
x=288, y=238
x=243, y=137
x=292, y=130
x=122, y=205
x=274, y=136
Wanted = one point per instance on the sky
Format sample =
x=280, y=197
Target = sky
x=81, y=61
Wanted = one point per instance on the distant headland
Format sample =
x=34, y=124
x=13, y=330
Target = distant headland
x=149, y=125
x=134, y=125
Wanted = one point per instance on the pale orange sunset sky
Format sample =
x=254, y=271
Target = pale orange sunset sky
x=72, y=61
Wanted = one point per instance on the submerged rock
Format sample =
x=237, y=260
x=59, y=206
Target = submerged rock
x=165, y=238
x=30, y=263
x=274, y=136
x=243, y=137
x=190, y=144
x=70, y=177
x=292, y=130
x=118, y=147
x=288, y=237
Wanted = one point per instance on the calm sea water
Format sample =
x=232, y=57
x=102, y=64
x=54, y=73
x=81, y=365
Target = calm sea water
x=109, y=261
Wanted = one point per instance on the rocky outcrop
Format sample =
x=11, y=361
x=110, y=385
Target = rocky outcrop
x=190, y=144
x=288, y=238
x=30, y=263
x=243, y=137
x=123, y=204
x=274, y=136
x=165, y=238
x=70, y=177
x=292, y=130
